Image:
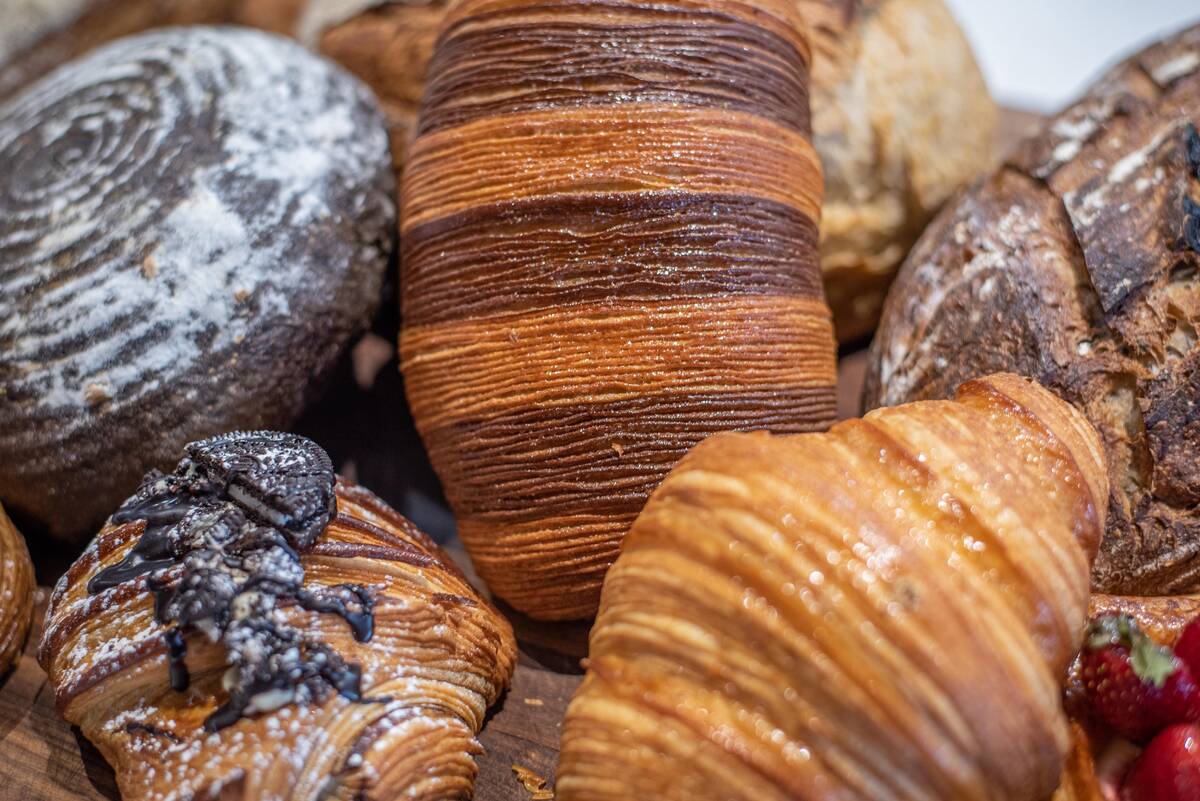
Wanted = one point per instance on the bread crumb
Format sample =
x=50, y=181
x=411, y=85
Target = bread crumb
x=534, y=784
x=241, y=294
x=619, y=448
x=534, y=702
x=149, y=267
x=96, y=394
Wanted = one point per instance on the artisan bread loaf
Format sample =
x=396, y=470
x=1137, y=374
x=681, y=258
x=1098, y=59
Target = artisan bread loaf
x=1076, y=263
x=902, y=119
x=194, y=223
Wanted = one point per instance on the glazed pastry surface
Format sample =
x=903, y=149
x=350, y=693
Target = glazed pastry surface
x=881, y=612
x=609, y=252
x=187, y=683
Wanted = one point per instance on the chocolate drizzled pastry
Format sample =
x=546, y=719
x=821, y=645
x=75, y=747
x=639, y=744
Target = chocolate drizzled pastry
x=220, y=553
x=265, y=544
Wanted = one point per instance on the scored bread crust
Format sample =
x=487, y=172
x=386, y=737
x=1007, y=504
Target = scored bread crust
x=1077, y=264
x=439, y=657
x=39, y=35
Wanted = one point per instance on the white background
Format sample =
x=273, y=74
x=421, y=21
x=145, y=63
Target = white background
x=1040, y=54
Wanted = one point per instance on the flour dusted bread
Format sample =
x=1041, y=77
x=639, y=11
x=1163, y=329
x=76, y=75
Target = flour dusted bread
x=193, y=224
x=883, y=611
x=1077, y=264
x=609, y=252
x=249, y=626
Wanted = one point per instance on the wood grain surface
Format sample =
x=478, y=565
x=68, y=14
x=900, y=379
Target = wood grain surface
x=43, y=759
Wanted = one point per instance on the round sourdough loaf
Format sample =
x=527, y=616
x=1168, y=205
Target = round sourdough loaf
x=1076, y=263
x=193, y=224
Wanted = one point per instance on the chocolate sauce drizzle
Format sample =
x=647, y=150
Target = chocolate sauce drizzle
x=221, y=553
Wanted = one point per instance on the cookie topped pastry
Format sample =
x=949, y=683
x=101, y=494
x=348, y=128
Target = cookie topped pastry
x=193, y=225
x=251, y=626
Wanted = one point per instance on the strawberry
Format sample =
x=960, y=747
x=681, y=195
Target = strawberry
x=1169, y=768
x=1188, y=647
x=1133, y=684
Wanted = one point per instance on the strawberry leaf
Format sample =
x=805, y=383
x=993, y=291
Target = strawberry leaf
x=1151, y=662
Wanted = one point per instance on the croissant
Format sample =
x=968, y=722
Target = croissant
x=609, y=252
x=885, y=611
x=17, y=585
x=246, y=628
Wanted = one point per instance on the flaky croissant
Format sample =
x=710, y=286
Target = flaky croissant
x=884, y=611
x=609, y=252
x=245, y=629
x=17, y=585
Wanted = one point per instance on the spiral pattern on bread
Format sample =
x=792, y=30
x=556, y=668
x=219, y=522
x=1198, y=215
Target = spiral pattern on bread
x=157, y=685
x=884, y=611
x=609, y=252
x=193, y=223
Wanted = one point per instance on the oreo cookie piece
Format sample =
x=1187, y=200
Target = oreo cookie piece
x=282, y=480
x=220, y=550
x=194, y=223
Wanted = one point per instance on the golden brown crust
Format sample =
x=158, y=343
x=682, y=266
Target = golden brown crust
x=440, y=655
x=609, y=253
x=884, y=611
x=17, y=586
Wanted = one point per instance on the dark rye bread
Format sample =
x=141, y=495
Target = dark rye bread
x=38, y=35
x=609, y=253
x=1076, y=264
x=193, y=224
